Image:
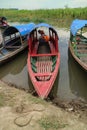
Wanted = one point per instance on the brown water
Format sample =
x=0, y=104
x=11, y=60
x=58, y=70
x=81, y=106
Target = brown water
x=71, y=82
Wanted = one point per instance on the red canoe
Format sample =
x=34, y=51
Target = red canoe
x=43, y=59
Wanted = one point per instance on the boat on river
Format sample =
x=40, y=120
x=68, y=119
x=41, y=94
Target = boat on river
x=43, y=59
x=78, y=42
x=14, y=41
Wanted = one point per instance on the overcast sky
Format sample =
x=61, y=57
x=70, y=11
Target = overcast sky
x=42, y=4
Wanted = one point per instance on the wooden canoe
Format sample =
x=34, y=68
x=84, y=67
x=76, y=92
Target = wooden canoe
x=14, y=41
x=43, y=60
x=78, y=42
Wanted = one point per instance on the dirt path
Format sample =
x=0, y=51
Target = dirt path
x=19, y=110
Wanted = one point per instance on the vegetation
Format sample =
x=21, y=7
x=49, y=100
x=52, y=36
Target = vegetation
x=51, y=122
x=1, y=100
x=58, y=17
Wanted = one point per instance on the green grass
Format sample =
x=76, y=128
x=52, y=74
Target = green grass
x=51, y=122
x=57, y=17
x=2, y=101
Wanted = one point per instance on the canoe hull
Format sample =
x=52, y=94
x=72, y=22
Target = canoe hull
x=43, y=88
x=43, y=60
x=6, y=55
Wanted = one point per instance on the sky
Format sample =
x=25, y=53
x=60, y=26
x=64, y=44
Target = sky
x=42, y=4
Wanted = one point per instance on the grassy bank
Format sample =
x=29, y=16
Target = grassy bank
x=58, y=17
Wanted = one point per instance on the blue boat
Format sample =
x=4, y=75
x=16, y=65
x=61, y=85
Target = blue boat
x=14, y=40
x=78, y=42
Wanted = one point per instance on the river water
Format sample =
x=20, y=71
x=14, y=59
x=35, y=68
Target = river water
x=71, y=82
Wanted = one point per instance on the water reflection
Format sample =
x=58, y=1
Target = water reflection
x=15, y=71
x=77, y=78
x=72, y=79
x=64, y=91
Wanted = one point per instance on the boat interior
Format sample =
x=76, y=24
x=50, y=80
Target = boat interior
x=43, y=56
x=80, y=45
x=12, y=39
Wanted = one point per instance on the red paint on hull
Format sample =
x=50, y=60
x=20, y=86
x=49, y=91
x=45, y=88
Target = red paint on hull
x=43, y=61
x=43, y=88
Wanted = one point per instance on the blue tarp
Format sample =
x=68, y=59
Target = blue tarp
x=76, y=25
x=44, y=25
x=23, y=29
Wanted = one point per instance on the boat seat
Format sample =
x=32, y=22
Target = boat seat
x=44, y=66
x=13, y=42
x=48, y=54
x=80, y=49
x=45, y=62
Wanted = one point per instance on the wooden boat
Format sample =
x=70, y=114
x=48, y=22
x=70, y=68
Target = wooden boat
x=43, y=60
x=14, y=41
x=78, y=42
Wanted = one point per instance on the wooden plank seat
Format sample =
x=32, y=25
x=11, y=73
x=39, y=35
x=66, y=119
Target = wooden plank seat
x=41, y=74
x=82, y=51
x=48, y=54
x=13, y=44
x=12, y=41
x=81, y=46
x=44, y=68
x=12, y=47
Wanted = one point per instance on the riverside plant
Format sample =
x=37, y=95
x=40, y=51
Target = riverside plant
x=58, y=17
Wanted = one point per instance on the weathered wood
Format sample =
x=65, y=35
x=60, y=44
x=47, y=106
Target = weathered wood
x=82, y=50
x=81, y=46
x=14, y=47
x=80, y=56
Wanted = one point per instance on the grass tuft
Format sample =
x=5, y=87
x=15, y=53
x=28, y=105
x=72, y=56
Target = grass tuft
x=51, y=122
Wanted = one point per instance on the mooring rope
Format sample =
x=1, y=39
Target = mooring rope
x=25, y=114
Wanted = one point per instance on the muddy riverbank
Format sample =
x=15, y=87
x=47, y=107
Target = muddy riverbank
x=20, y=110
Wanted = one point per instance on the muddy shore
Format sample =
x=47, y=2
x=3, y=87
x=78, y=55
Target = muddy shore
x=20, y=110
